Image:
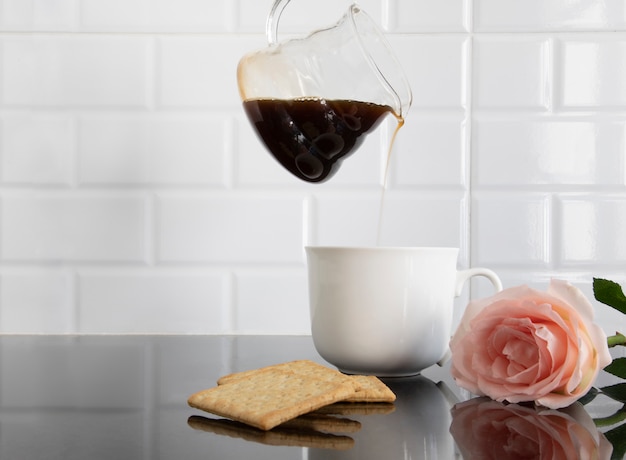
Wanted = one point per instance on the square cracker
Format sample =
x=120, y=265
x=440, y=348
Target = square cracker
x=371, y=389
x=302, y=367
x=368, y=388
x=270, y=397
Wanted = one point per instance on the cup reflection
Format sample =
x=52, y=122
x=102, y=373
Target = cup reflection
x=485, y=429
x=416, y=429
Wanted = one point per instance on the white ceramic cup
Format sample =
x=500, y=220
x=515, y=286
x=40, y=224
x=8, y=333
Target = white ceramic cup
x=385, y=311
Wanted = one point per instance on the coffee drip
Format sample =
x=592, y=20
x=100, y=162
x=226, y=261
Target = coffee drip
x=312, y=101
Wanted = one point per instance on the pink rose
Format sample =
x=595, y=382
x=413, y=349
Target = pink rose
x=485, y=429
x=526, y=345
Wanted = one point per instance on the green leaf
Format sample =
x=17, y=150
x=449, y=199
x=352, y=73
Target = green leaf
x=617, y=437
x=617, y=368
x=609, y=293
x=616, y=392
x=590, y=396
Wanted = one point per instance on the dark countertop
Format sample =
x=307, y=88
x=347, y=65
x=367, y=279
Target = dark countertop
x=125, y=397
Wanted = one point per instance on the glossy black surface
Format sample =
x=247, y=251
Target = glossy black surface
x=124, y=397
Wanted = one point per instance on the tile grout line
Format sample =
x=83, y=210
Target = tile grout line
x=469, y=171
x=74, y=291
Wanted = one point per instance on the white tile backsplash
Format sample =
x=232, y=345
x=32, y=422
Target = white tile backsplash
x=412, y=16
x=262, y=296
x=591, y=230
x=75, y=71
x=135, y=196
x=548, y=15
x=201, y=72
x=37, y=149
x=37, y=301
x=125, y=300
x=49, y=15
x=429, y=218
x=244, y=228
x=431, y=153
x=436, y=68
x=348, y=219
x=511, y=73
x=140, y=149
x=159, y=15
x=541, y=151
x=511, y=229
x=63, y=226
x=593, y=71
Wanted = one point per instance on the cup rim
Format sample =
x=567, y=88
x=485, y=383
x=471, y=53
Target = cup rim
x=381, y=248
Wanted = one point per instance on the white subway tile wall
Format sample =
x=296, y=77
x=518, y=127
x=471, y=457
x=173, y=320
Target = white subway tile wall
x=135, y=197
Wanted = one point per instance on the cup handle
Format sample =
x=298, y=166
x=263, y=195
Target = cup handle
x=461, y=277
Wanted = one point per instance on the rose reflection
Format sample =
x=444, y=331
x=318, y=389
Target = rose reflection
x=485, y=429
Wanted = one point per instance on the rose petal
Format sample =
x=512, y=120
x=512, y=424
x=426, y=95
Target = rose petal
x=598, y=338
x=524, y=345
x=572, y=296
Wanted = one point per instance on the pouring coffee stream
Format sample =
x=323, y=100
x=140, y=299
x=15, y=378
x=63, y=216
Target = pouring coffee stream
x=313, y=100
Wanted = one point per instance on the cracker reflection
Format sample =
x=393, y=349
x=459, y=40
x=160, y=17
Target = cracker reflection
x=300, y=432
x=355, y=408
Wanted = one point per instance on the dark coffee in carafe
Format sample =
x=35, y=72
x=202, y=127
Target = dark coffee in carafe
x=311, y=136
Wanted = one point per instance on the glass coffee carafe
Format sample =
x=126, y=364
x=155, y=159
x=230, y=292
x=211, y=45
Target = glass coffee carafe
x=312, y=100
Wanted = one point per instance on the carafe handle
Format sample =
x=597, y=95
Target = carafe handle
x=271, y=26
